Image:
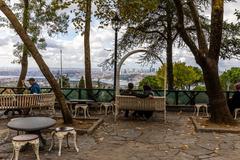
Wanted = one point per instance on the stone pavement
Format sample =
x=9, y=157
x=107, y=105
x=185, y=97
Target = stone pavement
x=143, y=140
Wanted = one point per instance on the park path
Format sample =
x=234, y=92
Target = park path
x=144, y=140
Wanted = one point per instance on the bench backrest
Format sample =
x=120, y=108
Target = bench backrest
x=13, y=101
x=135, y=103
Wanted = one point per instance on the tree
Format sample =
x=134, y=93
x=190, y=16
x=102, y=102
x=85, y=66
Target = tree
x=39, y=60
x=207, y=53
x=65, y=81
x=157, y=30
x=152, y=81
x=185, y=76
x=229, y=78
x=81, y=83
x=82, y=22
x=36, y=16
x=230, y=47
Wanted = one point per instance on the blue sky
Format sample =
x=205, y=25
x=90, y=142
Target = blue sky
x=101, y=39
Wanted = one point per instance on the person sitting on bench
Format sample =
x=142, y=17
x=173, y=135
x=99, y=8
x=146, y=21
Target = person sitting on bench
x=234, y=102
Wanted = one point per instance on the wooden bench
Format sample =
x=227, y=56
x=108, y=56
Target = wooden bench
x=141, y=104
x=27, y=101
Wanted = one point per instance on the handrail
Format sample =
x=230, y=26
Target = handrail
x=174, y=97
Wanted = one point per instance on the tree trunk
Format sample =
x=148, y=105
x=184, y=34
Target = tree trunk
x=207, y=57
x=169, y=47
x=169, y=65
x=87, y=53
x=219, y=110
x=24, y=69
x=24, y=58
x=39, y=60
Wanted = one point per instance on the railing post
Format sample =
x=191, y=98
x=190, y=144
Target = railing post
x=176, y=97
x=79, y=93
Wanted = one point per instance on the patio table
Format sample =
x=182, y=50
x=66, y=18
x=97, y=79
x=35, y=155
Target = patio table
x=32, y=125
x=73, y=102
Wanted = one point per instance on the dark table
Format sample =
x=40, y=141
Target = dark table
x=32, y=125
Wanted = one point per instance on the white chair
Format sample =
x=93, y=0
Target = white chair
x=197, y=108
x=236, y=112
x=85, y=110
x=60, y=133
x=4, y=134
x=20, y=141
x=107, y=106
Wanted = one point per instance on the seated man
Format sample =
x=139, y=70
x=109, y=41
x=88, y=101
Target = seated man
x=128, y=92
x=234, y=102
x=34, y=88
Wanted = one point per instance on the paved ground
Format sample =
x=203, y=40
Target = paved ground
x=141, y=140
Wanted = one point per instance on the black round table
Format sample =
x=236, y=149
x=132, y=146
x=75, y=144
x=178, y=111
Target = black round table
x=32, y=125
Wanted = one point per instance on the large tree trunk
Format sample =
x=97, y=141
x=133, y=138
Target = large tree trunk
x=219, y=112
x=24, y=58
x=87, y=53
x=207, y=57
x=169, y=47
x=169, y=65
x=39, y=60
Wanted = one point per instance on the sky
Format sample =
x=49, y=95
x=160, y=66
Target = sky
x=101, y=41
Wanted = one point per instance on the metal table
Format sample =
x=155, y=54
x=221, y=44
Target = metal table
x=72, y=102
x=32, y=125
x=81, y=101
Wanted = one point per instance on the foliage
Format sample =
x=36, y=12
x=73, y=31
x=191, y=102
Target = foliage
x=199, y=88
x=81, y=83
x=230, y=47
x=42, y=17
x=152, y=81
x=65, y=81
x=229, y=78
x=184, y=76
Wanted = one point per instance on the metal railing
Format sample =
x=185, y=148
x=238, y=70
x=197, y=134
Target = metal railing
x=175, y=97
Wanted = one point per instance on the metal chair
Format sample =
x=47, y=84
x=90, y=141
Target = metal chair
x=21, y=140
x=60, y=133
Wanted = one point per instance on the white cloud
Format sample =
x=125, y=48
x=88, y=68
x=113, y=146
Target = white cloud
x=101, y=39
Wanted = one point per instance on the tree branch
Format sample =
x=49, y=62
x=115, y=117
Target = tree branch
x=216, y=28
x=201, y=37
x=182, y=31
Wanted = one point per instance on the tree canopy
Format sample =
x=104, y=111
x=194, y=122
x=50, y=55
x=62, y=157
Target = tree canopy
x=229, y=78
x=185, y=77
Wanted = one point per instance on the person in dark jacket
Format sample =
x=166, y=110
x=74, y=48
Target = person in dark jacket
x=234, y=102
x=147, y=93
x=34, y=88
x=129, y=92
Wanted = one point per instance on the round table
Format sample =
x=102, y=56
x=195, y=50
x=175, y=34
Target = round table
x=32, y=125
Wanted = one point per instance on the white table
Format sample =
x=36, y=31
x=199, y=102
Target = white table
x=197, y=108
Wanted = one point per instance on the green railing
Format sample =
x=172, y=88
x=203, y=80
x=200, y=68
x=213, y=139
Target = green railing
x=180, y=98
